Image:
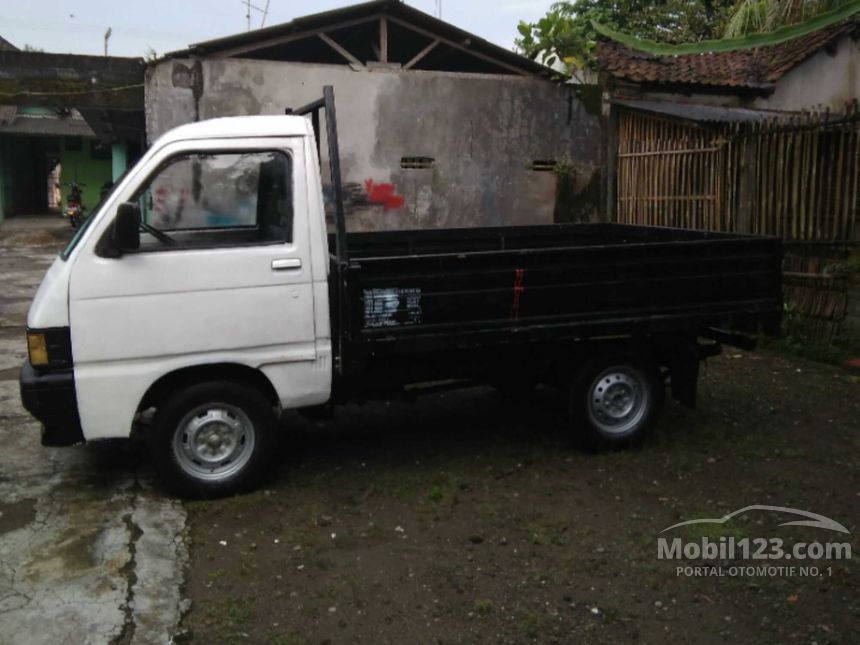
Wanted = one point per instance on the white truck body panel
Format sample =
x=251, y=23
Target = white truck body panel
x=50, y=306
x=141, y=316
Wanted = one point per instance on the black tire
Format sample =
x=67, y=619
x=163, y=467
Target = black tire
x=213, y=439
x=615, y=400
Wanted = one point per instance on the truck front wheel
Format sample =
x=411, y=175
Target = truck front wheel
x=616, y=399
x=213, y=439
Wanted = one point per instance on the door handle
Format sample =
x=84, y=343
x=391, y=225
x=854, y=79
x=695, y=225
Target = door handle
x=286, y=264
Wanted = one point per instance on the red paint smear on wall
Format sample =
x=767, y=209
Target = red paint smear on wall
x=382, y=194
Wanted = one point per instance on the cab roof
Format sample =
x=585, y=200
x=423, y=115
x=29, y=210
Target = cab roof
x=235, y=127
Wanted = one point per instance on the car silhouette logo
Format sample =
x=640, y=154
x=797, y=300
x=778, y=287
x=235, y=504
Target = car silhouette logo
x=813, y=519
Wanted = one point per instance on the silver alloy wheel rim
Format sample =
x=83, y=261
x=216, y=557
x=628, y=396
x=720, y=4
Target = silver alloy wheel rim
x=214, y=441
x=618, y=400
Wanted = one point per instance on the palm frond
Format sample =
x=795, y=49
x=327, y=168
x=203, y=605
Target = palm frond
x=749, y=17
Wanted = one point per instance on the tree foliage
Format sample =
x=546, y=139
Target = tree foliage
x=757, y=16
x=566, y=34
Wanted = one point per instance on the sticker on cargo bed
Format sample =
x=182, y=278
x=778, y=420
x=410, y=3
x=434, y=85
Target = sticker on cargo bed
x=395, y=307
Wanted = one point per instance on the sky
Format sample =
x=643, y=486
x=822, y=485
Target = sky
x=78, y=26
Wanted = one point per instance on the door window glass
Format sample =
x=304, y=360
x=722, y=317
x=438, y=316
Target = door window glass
x=211, y=199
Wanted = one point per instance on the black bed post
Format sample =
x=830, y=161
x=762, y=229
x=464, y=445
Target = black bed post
x=341, y=251
x=313, y=108
x=334, y=163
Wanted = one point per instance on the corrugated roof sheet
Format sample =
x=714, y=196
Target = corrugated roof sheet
x=747, y=68
x=25, y=124
x=699, y=112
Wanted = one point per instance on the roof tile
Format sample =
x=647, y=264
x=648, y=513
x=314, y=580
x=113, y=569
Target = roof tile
x=747, y=68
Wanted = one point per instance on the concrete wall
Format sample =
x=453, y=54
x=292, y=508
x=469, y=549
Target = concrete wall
x=822, y=80
x=483, y=131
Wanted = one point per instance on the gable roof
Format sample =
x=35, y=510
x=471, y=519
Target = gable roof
x=305, y=39
x=747, y=68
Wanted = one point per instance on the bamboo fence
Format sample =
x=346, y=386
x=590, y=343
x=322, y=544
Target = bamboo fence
x=670, y=173
x=796, y=177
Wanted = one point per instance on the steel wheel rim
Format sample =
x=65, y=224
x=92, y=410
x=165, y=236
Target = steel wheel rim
x=214, y=441
x=618, y=400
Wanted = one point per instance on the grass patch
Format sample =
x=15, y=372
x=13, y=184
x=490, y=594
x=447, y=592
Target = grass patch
x=232, y=617
x=835, y=354
x=546, y=532
x=286, y=639
x=714, y=531
x=535, y=624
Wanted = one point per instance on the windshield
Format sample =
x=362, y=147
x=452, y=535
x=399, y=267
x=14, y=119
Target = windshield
x=66, y=252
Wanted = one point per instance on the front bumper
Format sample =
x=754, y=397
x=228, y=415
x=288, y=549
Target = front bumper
x=51, y=398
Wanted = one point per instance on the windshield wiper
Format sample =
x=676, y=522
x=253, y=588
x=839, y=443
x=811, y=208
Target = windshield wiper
x=161, y=237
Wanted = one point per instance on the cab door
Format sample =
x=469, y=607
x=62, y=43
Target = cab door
x=222, y=276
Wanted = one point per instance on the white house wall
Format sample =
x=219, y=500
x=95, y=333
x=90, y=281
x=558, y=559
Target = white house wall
x=822, y=80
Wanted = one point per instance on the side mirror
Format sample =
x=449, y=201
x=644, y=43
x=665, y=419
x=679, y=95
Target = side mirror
x=126, y=227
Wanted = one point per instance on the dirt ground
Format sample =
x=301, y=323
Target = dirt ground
x=465, y=518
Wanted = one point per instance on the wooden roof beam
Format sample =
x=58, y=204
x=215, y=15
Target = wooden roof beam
x=383, y=40
x=421, y=54
x=339, y=49
x=458, y=46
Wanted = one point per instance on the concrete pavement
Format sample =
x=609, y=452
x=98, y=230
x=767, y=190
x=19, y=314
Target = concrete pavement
x=90, y=551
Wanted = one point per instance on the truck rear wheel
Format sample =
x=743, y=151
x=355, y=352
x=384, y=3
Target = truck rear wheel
x=213, y=439
x=616, y=399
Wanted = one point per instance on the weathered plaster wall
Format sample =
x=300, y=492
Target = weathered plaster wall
x=825, y=79
x=483, y=131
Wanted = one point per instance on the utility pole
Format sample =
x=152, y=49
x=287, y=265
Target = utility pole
x=107, y=38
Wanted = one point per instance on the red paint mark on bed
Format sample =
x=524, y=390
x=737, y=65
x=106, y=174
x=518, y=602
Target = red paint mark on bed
x=383, y=194
x=519, y=288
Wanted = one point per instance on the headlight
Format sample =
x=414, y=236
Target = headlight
x=50, y=348
x=37, y=348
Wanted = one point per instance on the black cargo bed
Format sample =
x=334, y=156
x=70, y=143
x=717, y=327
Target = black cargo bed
x=413, y=291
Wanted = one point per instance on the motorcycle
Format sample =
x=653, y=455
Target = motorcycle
x=74, y=206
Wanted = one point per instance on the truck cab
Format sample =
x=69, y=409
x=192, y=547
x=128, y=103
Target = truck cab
x=208, y=263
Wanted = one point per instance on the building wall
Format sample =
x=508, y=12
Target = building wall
x=24, y=175
x=483, y=132
x=826, y=80
x=3, y=181
x=80, y=166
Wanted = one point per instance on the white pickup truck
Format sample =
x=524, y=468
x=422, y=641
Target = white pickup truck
x=201, y=299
